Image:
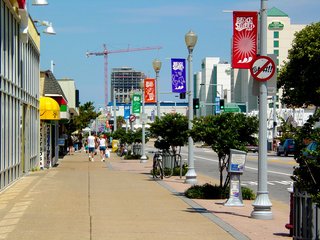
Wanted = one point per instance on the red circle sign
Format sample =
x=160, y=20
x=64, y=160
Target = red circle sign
x=262, y=68
x=132, y=118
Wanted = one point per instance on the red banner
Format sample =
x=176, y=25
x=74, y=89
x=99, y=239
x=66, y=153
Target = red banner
x=244, y=42
x=149, y=90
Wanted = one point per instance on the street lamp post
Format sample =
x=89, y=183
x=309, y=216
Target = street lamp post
x=262, y=204
x=143, y=158
x=114, y=111
x=157, y=66
x=191, y=40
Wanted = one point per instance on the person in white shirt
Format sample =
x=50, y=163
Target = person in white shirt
x=91, y=142
x=102, y=147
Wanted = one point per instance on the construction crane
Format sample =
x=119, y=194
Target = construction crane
x=105, y=53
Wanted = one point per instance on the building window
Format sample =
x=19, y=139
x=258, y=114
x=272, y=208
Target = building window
x=276, y=43
x=276, y=52
x=275, y=34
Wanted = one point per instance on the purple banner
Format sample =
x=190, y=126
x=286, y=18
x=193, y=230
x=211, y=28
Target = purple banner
x=178, y=73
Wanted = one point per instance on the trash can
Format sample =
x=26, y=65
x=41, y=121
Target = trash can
x=114, y=145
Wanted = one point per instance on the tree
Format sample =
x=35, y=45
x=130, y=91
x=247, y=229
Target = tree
x=299, y=77
x=120, y=121
x=86, y=114
x=172, y=128
x=307, y=175
x=224, y=132
x=287, y=128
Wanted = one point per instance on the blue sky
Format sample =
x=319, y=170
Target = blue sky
x=83, y=26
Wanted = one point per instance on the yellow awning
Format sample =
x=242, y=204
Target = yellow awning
x=49, y=109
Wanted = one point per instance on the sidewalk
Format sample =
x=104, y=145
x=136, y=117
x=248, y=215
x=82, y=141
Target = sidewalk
x=118, y=199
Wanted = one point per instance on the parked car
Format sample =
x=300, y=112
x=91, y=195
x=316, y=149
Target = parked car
x=252, y=148
x=287, y=147
x=312, y=146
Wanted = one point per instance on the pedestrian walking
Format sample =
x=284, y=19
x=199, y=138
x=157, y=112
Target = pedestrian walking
x=70, y=145
x=102, y=147
x=91, y=143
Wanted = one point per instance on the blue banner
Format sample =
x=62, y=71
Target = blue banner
x=217, y=105
x=126, y=112
x=178, y=73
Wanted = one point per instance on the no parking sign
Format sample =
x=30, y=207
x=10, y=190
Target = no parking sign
x=263, y=68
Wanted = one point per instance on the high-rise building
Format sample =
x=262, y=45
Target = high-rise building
x=215, y=82
x=123, y=81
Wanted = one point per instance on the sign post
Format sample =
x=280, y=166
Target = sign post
x=262, y=204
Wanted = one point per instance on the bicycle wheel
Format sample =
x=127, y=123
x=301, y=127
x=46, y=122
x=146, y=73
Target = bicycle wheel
x=156, y=169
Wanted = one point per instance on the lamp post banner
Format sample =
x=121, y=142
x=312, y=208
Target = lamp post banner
x=178, y=73
x=136, y=103
x=244, y=41
x=149, y=90
x=126, y=111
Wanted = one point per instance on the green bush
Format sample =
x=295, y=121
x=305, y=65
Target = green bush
x=208, y=191
x=247, y=193
x=176, y=170
x=132, y=157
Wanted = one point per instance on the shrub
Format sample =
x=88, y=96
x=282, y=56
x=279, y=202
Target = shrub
x=132, y=157
x=208, y=191
x=247, y=193
x=176, y=170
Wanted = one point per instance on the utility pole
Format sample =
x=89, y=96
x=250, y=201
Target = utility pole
x=262, y=204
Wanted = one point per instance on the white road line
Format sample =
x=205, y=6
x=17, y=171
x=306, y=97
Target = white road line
x=251, y=168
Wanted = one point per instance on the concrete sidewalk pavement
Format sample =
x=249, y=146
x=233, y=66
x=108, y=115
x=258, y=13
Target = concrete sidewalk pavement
x=118, y=199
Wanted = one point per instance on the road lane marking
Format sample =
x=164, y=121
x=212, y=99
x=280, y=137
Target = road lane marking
x=251, y=168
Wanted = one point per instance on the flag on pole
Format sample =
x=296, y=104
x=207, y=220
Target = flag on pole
x=178, y=73
x=244, y=41
x=149, y=90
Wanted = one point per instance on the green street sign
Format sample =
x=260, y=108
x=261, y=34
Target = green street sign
x=136, y=103
x=276, y=26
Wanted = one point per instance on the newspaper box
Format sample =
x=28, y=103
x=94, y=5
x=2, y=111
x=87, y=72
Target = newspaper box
x=237, y=162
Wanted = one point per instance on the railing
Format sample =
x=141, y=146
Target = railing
x=306, y=217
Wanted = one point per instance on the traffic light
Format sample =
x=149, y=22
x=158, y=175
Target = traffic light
x=221, y=104
x=183, y=95
x=196, y=103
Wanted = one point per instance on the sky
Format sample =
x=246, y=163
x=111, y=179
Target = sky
x=83, y=26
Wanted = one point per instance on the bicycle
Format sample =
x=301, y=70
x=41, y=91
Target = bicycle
x=157, y=169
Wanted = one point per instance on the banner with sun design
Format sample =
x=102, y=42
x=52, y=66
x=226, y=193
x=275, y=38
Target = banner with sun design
x=244, y=42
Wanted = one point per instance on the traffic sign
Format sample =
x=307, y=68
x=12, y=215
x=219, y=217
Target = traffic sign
x=132, y=118
x=262, y=68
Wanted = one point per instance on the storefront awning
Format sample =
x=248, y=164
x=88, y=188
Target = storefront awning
x=49, y=109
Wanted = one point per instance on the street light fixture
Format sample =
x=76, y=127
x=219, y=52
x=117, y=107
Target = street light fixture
x=191, y=40
x=49, y=30
x=157, y=66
